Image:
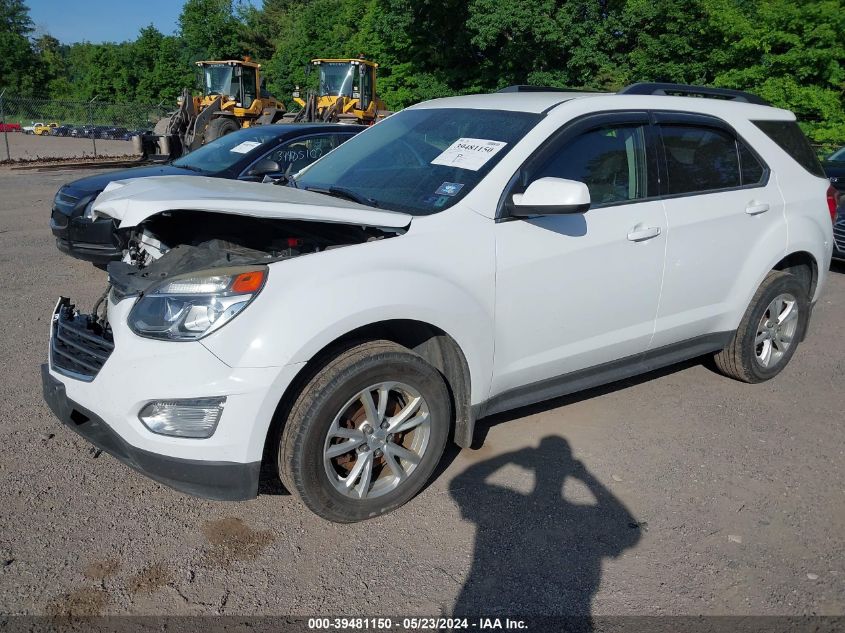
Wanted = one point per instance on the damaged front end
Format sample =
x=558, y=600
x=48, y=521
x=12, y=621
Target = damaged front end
x=180, y=242
x=80, y=344
x=192, y=272
x=196, y=250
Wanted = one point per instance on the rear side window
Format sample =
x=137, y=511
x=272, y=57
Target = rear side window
x=301, y=152
x=700, y=159
x=751, y=169
x=791, y=139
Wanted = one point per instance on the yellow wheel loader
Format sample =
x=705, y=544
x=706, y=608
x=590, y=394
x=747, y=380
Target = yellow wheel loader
x=233, y=96
x=346, y=93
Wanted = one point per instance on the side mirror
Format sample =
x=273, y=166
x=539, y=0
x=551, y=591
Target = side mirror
x=551, y=196
x=265, y=166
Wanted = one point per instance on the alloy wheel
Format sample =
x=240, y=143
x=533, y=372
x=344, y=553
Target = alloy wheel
x=377, y=440
x=776, y=330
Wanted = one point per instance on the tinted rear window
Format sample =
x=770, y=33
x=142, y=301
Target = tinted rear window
x=700, y=159
x=791, y=139
x=753, y=172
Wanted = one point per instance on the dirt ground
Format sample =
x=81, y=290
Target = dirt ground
x=681, y=492
x=30, y=147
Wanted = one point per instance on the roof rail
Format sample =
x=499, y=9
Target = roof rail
x=526, y=88
x=666, y=89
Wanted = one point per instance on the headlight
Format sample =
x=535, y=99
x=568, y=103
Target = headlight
x=189, y=307
x=89, y=212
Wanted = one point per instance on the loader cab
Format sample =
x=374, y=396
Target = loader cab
x=235, y=80
x=350, y=78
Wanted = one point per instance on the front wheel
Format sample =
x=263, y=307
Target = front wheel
x=769, y=332
x=365, y=433
x=221, y=126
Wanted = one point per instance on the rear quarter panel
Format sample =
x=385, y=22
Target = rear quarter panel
x=809, y=227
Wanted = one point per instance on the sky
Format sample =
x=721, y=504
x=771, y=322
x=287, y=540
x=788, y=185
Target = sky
x=98, y=21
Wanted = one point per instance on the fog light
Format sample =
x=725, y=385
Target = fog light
x=194, y=417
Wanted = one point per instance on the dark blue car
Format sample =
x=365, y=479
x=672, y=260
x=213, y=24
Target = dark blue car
x=248, y=154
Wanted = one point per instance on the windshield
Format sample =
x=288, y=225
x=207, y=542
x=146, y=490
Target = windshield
x=838, y=156
x=218, y=80
x=336, y=79
x=420, y=161
x=224, y=152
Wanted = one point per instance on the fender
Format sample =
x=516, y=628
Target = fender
x=313, y=300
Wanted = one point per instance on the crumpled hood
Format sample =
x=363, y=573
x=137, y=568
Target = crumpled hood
x=133, y=201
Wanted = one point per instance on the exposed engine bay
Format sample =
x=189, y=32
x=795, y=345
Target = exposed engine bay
x=178, y=242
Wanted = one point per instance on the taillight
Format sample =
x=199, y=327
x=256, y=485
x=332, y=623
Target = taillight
x=832, y=199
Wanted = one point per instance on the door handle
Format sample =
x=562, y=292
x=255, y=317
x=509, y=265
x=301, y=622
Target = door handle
x=756, y=208
x=640, y=235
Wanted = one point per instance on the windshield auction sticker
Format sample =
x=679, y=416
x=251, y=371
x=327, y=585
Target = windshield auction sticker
x=449, y=189
x=469, y=153
x=245, y=147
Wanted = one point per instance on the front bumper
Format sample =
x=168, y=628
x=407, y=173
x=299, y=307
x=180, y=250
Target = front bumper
x=225, y=481
x=92, y=241
x=101, y=398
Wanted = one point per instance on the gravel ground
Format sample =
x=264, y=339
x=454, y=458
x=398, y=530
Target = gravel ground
x=31, y=147
x=678, y=493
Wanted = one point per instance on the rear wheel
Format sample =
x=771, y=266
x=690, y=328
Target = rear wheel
x=221, y=126
x=365, y=433
x=769, y=332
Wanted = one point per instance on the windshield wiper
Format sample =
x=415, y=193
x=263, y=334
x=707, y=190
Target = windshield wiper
x=191, y=168
x=346, y=194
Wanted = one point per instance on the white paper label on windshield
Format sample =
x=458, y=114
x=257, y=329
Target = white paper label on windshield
x=469, y=153
x=245, y=147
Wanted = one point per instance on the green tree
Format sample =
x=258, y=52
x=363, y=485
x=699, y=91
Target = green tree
x=262, y=26
x=549, y=42
x=210, y=30
x=793, y=54
x=17, y=61
x=159, y=70
x=51, y=71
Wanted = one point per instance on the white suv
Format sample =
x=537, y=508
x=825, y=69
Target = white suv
x=465, y=256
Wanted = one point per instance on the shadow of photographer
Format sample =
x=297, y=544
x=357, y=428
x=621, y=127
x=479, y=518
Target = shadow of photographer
x=539, y=553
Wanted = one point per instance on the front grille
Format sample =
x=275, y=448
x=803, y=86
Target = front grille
x=79, y=346
x=839, y=231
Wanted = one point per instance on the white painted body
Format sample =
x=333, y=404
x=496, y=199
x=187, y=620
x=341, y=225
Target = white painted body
x=525, y=300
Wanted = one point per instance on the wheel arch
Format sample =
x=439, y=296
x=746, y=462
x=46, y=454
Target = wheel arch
x=804, y=266
x=436, y=346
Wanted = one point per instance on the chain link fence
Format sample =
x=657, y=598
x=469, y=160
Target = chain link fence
x=49, y=129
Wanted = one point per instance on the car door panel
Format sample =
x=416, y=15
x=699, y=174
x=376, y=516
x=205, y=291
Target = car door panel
x=579, y=290
x=711, y=237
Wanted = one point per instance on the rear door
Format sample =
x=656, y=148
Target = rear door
x=579, y=290
x=722, y=203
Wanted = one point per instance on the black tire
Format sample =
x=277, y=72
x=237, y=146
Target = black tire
x=739, y=358
x=221, y=126
x=300, y=456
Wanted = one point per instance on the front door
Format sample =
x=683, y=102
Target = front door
x=578, y=290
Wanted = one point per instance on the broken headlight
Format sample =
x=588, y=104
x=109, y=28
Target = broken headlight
x=189, y=307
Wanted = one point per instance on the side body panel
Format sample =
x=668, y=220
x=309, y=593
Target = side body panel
x=573, y=292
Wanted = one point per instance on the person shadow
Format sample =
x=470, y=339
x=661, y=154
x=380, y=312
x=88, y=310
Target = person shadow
x=539, y=554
